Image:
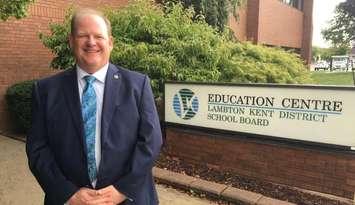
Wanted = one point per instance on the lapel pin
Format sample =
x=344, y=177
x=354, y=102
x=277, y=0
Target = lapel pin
x=115, y=76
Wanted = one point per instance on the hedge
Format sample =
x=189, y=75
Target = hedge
x=19, y=98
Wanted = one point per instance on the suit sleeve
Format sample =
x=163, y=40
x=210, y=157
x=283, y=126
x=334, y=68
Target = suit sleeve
x=147, y=147
x=40, y=157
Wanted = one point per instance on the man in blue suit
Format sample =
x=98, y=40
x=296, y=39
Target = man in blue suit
x=95, y=129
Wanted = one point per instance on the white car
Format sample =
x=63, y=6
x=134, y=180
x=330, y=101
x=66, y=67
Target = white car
x=321, y=65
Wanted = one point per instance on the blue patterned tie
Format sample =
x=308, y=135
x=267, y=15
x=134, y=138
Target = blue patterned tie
x=88, y=106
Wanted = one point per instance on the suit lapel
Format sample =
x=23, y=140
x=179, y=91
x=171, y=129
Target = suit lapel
x=71, y=91
x=111, y=98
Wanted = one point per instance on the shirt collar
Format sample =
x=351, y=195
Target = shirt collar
x=100, y=74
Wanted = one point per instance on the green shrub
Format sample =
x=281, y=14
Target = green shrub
x=171, y=45
x=259, y=64
x=58, y=42
x=19, y=99
x=166, y=46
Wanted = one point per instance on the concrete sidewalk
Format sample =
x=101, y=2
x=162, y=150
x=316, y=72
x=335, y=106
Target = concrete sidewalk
x=19, y=187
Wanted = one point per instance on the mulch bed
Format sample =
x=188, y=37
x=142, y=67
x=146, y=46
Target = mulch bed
x=272, y=190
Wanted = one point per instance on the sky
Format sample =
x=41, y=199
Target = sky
x=323, y=11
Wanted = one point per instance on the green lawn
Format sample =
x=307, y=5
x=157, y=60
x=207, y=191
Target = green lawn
x=333, y=78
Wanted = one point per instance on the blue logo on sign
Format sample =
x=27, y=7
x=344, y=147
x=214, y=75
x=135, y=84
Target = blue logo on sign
x=185, y=104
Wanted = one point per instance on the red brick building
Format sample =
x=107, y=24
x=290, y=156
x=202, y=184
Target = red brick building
x=282, y=23
x=22, y=54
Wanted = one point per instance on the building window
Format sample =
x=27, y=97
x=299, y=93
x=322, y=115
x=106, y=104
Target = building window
x=298, y=4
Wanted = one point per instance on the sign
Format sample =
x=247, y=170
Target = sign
x=320, y=114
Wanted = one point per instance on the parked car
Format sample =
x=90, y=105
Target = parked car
x=340, y=62
x=321, y=65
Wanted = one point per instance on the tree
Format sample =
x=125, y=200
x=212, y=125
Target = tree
x=327, y=53
x=342, y=27
x=215, y=12
x=15, y=8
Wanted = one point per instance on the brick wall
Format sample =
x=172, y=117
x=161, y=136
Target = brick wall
x=322, y=171
x=280, y=24
x=274, y=23
x=239, y=26
x=253, y=20
x=22, y=55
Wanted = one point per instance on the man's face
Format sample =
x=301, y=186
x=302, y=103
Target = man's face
x=91, y=43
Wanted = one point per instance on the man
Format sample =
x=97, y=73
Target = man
x=95, y=130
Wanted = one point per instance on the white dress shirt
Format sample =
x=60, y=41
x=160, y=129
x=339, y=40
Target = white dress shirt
x=99, y=86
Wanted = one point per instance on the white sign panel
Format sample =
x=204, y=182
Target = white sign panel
x=315, y=114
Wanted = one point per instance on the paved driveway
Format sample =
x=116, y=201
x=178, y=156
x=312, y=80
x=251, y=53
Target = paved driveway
x=19, y=187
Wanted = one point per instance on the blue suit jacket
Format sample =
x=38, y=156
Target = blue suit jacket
x=130, y=137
